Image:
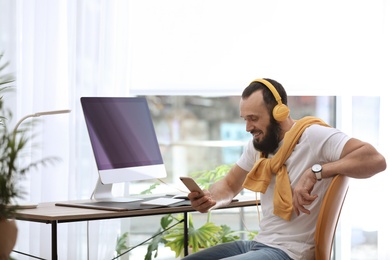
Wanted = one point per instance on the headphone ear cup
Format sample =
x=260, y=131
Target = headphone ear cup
x=280, y=112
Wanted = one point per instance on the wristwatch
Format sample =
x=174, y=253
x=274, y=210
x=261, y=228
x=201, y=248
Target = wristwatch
x=317, y=170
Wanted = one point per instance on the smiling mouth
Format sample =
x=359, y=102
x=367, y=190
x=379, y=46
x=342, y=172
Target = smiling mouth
x=256, y=134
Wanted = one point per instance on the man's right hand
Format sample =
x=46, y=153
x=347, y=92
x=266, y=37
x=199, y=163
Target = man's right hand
x=201, y=203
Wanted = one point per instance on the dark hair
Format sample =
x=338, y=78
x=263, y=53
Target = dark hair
x=268, y=97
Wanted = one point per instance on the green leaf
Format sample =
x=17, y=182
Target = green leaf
x=150, y=189
x=158, y=237
x=121, y=243
x=166, y=221
x=207, y=177
x=153, y=245
x=206, y=236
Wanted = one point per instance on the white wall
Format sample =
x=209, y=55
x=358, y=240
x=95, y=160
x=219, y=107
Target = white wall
x=312, y=47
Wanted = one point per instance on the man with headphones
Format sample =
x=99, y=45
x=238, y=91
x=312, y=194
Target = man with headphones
x=291, y=163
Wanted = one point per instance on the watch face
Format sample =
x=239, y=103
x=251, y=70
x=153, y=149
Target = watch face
x=316, y=168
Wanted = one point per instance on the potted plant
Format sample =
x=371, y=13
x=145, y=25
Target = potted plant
x=209, y=234
x=7, y=227
x=12, y=144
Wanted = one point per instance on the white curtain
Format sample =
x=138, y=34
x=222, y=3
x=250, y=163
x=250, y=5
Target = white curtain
x=65, y=49
x=59, y=52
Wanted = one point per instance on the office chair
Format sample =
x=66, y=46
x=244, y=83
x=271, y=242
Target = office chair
x=329, y=217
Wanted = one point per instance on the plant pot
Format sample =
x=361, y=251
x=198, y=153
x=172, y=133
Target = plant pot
x=9, y=232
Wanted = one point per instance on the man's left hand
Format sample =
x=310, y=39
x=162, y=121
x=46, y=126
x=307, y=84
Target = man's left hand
x=302, y=192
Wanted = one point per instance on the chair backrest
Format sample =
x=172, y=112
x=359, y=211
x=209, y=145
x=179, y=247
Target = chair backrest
x=329, y=216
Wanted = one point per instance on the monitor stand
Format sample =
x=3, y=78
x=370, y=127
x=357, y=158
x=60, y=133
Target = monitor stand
x=103, y=192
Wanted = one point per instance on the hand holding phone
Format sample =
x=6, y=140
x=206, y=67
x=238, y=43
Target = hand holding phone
x=191, y=184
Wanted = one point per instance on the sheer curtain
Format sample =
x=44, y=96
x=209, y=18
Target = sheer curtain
x=62, y=50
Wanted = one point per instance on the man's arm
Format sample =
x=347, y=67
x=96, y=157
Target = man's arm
x=358, y=160
x=221, y=193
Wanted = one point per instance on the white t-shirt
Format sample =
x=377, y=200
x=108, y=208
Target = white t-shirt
x=318, y=144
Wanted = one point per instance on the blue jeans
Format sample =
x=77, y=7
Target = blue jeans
x=239, y=250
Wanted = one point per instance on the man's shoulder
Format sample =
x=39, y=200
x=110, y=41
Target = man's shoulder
x=317, y=134
x=318, y=129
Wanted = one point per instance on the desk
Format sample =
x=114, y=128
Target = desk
x=49, y=213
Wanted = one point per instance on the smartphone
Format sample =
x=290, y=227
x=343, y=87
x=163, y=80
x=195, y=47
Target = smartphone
x=191, y=184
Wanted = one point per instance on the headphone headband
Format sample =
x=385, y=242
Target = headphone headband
x=280, y=111
x=271, y=88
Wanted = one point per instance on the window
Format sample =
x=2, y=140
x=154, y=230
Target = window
x=199, y=133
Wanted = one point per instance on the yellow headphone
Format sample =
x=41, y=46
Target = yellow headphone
x=280, y=111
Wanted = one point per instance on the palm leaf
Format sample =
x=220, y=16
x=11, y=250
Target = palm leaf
x=203, y=237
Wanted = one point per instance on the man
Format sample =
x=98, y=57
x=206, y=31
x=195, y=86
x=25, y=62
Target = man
x=306, y=154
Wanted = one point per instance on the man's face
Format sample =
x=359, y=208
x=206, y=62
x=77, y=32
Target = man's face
x=265, y=132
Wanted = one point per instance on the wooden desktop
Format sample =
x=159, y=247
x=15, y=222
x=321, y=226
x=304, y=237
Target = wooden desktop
x=49, y=213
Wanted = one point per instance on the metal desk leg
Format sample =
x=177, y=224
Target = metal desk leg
x=54, y=254
x=185, y=223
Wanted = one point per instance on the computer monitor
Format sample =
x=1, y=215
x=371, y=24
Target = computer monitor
x=123, y=140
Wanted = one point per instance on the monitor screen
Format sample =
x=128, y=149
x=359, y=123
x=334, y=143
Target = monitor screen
x=123, y=139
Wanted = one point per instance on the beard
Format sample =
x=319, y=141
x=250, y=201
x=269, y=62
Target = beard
x=270, y=142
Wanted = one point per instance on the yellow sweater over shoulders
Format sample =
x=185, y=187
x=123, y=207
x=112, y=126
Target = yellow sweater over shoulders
x=259, y=177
